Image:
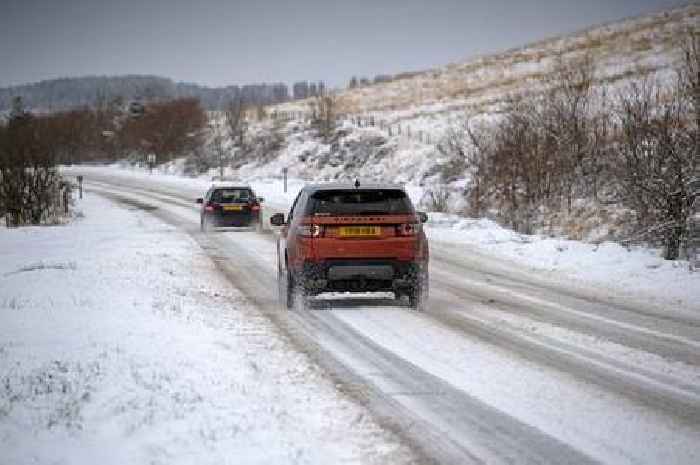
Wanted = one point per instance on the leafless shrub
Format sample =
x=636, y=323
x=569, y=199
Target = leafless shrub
x=437, y=200
x=657, y=158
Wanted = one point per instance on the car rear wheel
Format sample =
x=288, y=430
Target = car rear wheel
x=415, y=298
x=418, y=293
x=205, y=224
x=285, y=289
x=296, y=297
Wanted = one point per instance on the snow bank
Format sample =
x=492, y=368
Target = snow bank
x=638, y=271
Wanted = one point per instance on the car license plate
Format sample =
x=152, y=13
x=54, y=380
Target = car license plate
x=360, y=231
x=233, y=208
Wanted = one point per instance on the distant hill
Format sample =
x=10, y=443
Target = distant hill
x=65, y=93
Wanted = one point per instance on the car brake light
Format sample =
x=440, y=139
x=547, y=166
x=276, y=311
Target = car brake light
x=408, y=229
x=309, y=230
x=210, y=207
x=255, y=208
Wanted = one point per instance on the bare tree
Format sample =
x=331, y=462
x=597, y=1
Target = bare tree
x=468, y=146
x=323, y=114
x=566, y=118
x=689, y=77
x=219, y=142
x=657, y=156
x=235, y=117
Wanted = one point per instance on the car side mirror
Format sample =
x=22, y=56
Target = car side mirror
x=200, y=200
x=261, y=199
x=422, y=216
x=277, y=219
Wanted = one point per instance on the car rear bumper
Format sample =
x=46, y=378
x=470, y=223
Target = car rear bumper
x=239, y=219
x=378, y=275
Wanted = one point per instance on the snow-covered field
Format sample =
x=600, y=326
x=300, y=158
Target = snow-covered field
x=637, y=271
x=120, y=343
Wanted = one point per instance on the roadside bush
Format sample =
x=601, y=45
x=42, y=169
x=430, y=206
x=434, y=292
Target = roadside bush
x=571, y=145
x=31, y=189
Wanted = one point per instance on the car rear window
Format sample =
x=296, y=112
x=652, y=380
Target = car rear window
x=359, y=202
x=231, y=195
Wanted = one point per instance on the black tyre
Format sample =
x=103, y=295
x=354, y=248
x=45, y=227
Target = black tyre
x=205, y=224
x=285, y=289
x=415, y=298
x=418, y=294
x=297, y=297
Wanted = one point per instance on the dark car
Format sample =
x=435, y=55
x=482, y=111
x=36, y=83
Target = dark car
x=340, y=238
x=230, y=205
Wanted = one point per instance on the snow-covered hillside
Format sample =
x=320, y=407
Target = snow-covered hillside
x=643, y=46
x=412, y=114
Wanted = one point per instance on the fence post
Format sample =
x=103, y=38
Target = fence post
x=65, y=199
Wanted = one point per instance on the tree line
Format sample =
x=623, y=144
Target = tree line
x=68, y=93
x=32, y=145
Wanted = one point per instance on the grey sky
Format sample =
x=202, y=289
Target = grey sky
x=219, y=42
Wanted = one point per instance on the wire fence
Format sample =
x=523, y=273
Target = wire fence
x=392, y=129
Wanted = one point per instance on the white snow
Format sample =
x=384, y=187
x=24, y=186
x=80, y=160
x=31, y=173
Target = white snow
x=120, y=343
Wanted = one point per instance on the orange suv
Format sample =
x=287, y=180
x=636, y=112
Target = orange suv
x=340, y=238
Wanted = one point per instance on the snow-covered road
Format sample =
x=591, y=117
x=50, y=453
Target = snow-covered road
x=505, y=366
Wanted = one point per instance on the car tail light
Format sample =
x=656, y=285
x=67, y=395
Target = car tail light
x=210, y=207
x=310, y=230
x=255, y=207
x=408, y=229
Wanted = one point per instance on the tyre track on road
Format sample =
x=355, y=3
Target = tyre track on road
x=645, y=387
